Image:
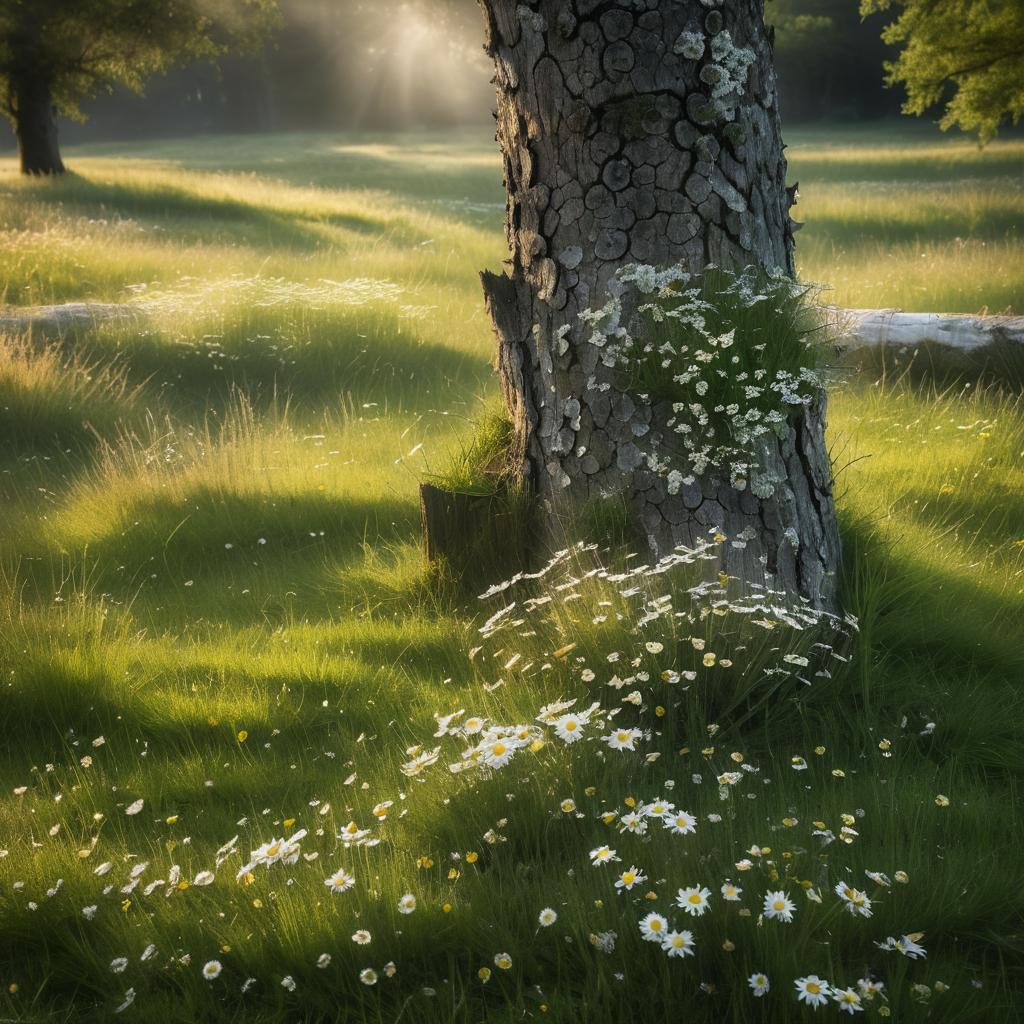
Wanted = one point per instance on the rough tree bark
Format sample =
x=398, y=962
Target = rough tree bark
x=35, y=126
x=621, y=147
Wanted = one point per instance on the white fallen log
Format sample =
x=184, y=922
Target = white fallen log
x=862, y=328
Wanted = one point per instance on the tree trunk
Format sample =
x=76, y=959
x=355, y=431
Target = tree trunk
x=36, y=127
x=621, y=146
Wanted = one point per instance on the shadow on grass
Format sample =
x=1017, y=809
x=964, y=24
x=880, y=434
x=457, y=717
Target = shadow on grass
x=191, y=218
x=314, y=357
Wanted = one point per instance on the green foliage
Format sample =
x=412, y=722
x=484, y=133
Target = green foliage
x=971, y=48
x=480, y=465
x=81, y=47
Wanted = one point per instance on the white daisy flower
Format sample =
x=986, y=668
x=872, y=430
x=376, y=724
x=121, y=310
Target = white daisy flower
x=693, y=900
x=678, y=944
x=633, y=822
x=134, y=807
x=622, y=739
x=653, y=927
x=602, y=855
x=407, y=904
x=812, y=990
x=361, y=937
x=869, y=988
x=340, y=881
x=680, y=823
x=569, y=728
x=323, y=960
x=905, y=944
x=118, y=965
x=212, y=969
x=630, y=878
x=368, y=976
x=848, y=1001
x=498, y=753
x=547, y=917
x=352, y=834
x=758, y=983
x=856, y=902
x=730, y=892
x=657, y=809
x=778, y=907
x=203, y=878
x=288, y=982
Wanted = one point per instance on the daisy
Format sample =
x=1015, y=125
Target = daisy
x=212, y=970
x=569, y=728
x=118, y=965
x=847, y=1000
x=856, y=902
x=340, y=881
x=407, y=904
x=361, y=937
x=678, y=944
x=680, y=823
x=633, y=822
x=288, y=982
x=444, y=722
x=812, y=990
x=473, y=725
x=602, y=855
x=323, y=960
x=368, y=976
x=351, y=834
x=630, y=878
x=498, y=753
x=759, y=984
x=653, y=927
x=693, y=900
x=503, y=961
x=905, y=944
x=778, y=907
x=657, y=809
x=730, y=892
x=547, y=917
x=203, y=878
x=869, y=988
x=622, y=739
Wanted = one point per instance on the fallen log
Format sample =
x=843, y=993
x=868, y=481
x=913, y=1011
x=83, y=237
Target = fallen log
x=863, y=328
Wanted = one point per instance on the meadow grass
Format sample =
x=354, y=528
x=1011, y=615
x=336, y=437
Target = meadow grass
x=211, y=562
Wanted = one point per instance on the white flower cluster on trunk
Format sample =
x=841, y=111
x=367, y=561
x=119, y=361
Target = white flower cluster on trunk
x=728, y=393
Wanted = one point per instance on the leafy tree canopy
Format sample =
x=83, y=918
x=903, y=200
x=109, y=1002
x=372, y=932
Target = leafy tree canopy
x=80, y=47
x=969, y=53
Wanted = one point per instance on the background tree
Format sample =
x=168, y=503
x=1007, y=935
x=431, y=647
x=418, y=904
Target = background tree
x=969, y=53
x=55, y=53
x=646, y=136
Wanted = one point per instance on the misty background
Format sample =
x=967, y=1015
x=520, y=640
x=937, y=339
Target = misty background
x=400, y=64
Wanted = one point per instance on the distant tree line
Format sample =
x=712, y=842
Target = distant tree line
x=356, y=64
x=138, y=68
